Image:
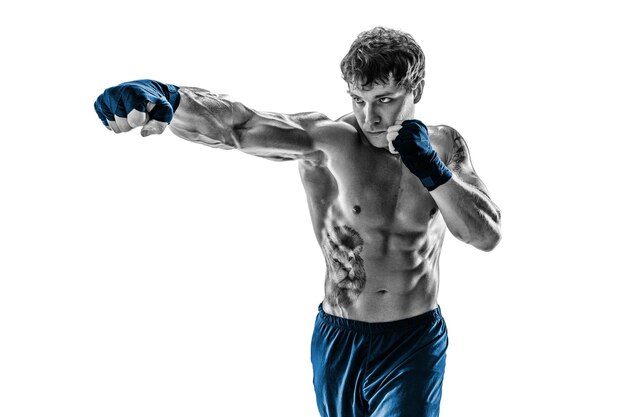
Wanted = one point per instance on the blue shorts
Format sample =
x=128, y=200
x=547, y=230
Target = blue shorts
x=391, y=369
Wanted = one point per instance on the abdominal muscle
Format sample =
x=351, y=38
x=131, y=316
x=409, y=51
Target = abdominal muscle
x=376, y=277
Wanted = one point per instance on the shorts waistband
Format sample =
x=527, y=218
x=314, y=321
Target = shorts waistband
x=380, y=327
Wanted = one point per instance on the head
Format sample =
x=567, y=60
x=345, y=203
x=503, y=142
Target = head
x=384, y=70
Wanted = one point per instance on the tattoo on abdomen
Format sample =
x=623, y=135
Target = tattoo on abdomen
x=345, y=271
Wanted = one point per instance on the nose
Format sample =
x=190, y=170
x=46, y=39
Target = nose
x=371, y=118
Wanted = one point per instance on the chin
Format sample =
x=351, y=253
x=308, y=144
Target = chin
x=377, y=141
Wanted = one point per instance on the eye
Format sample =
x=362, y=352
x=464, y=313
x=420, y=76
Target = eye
x=385, y=100
x=357, y=100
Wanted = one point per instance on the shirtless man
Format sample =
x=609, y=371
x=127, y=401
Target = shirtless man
x=382, y=188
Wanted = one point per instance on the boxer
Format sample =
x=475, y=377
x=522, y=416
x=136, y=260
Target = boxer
x=382, y=190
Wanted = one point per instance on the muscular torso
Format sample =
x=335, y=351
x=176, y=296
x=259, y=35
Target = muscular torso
x=378, y=227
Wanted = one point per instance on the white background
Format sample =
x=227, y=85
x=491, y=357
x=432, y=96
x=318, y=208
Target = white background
x=156, y=277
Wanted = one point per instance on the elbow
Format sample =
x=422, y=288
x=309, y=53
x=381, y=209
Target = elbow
x=482, y=232
x=484, y=243
x=487, y=245
x=492, y=233
x=489, y=239
x=485, y=239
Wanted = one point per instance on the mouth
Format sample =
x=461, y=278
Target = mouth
x=375, y=133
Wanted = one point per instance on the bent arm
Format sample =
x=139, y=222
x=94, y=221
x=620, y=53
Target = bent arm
x=464, y=201
x=217, y=121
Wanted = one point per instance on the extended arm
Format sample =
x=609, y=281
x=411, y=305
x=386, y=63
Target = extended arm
x=217, y=121
x=207, y=118
x=464, y=201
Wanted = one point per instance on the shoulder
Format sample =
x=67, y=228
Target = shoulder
x=312, y=121
x=447, y=141
x=326, y=132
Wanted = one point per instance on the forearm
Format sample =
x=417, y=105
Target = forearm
x=208, y=118
x=469, y=213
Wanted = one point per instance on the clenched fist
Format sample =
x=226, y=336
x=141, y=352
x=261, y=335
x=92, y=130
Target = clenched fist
x=132, y=104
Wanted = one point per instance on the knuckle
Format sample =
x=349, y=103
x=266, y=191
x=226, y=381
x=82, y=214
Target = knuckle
x=136, y=118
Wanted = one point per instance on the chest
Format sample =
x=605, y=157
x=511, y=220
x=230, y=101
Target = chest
x=375, y=190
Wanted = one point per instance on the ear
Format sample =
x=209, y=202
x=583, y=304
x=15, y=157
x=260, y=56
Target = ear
x=417, y=91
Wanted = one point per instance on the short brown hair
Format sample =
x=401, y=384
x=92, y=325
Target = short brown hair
x=381, y=54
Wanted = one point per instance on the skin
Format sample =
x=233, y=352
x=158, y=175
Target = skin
x=379, y=229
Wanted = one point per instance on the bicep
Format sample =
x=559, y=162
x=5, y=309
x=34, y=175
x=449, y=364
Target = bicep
x=278, y=136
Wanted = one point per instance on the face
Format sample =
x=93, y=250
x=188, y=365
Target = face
x=380, y=106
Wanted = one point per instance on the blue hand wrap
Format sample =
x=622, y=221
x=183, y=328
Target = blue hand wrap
x=122, y=99
x=418, y=155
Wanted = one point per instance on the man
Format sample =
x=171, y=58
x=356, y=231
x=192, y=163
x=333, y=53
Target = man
x=381, y=188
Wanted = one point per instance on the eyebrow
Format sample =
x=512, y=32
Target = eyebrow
x=377, y=96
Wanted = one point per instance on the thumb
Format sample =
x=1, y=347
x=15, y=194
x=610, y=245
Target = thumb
x=153, y=127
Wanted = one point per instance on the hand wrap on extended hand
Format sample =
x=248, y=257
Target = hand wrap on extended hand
x=418, y=155
x=122, y=99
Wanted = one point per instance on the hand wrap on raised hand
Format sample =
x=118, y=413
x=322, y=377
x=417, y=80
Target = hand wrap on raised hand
x=418, y=155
